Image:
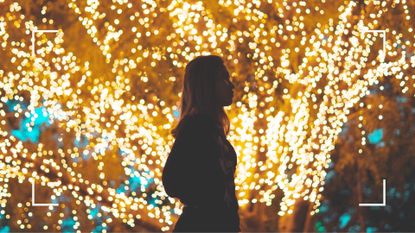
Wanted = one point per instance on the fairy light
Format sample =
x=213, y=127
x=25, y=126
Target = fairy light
x=297, y=86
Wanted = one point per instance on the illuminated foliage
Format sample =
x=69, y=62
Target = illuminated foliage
x=88, y=117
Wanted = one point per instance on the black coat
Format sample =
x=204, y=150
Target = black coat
x=193, y=173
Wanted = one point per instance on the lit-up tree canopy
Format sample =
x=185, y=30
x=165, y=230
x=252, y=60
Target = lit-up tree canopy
x=86, y=116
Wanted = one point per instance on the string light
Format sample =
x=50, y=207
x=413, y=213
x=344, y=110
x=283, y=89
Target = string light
x=298, y=79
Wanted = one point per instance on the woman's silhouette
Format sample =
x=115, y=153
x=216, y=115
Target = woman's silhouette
x=201, y=165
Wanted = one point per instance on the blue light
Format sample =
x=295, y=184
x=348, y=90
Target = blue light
x=122, y=152
x=152, y=202
x=330, y=175
x=94, y=212
x=40, y=117
x=5, y=229
x=121, y=189
x=323, y=208
x=176, y=113
x=401, y=99
x=376, y=136
x=394, y=192
x=344, y=220
x=68, y=225
x=82, y=142
x=98, y=220
x=136, y=182
x=320, y=227
x=11, y=104
x=99, y=228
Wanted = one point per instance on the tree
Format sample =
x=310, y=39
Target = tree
x=87, y=119
x=357, y=177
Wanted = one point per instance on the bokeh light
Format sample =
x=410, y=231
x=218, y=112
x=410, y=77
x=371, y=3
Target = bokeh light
x=88, y=117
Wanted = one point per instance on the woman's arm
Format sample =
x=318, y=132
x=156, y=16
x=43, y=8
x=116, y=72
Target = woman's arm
x=192, y=172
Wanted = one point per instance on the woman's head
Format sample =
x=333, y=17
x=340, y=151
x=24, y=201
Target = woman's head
x=206, y=89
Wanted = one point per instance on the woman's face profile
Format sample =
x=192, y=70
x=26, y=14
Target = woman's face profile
x=224, y=88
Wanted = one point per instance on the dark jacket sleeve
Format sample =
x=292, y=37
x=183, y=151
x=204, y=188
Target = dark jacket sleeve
x=192, y=172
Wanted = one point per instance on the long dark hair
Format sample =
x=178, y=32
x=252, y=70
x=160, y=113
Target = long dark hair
x=199, y=89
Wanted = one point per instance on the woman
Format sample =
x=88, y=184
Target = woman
x=201, y=165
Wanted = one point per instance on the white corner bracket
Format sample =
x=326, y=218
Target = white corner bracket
x=382, y=60
x=33, y=198
x=33, y=38
x=383, y=201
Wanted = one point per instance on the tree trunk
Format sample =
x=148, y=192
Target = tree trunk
x=308, y=220
x=298, y=221
x=360, y=216
x=27, y=7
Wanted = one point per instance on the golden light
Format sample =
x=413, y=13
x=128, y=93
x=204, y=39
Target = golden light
x=107, y=86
